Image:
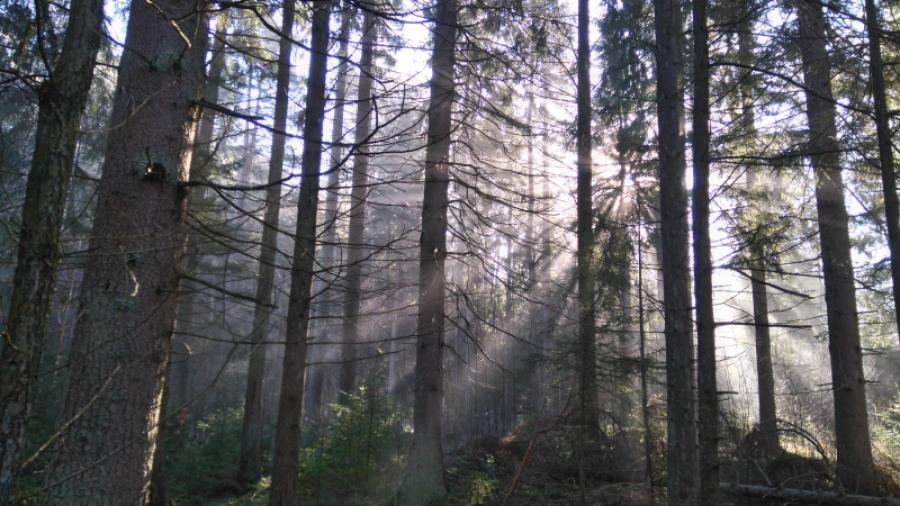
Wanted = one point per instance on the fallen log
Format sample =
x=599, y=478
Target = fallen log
x=807, y=496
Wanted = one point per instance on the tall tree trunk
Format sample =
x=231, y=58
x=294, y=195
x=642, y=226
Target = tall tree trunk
x=61, y=102
x=854, y=451
x=682, y=451
x=249, y=460
x=642, y=336
x=290, y=403
x=765, y=374
x=324, y=306
x=120, y=352
x=885, y=150
x=358, y=197
x=708, y=401
x=587, y=346
x=201, y=163
x=425, y=477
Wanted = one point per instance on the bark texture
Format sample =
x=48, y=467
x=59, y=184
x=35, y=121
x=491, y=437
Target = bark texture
x=61, y=102
x=425, y=481
x=249, y=461
x=682, y=437
x=290, y=404
x=855, y=468
x=120, y=352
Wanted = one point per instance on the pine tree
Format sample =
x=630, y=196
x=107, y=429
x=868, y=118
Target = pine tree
x=61, y=101
x=121, y=348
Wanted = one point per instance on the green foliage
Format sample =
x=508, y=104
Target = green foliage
x=887, y=429
x=358, y=458
x=201, y=458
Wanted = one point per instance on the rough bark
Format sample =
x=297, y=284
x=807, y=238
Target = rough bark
x=708, y=401
x=324, y=305
x=425, y=476
x=61, y=102
x=587, y=346
x=290, y=404
x=681, y=442
x=855, y=468
x=885, y=149
x=765, y=373
x=358, y=197
x=249, y=461
x=122, y=341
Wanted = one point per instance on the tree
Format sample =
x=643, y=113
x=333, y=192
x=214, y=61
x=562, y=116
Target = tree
x=249, y=463
x=290, y=403
x=765, y=374
x=681, y=452
x=121, y=347
x=587, y=346
x=703, y=288
x=855, y=468
x=324, y=307
x=62, y=99
x=425, y=478
x=885, y=149
x=350, y=331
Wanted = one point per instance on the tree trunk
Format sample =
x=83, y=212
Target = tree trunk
x=682, y=451
x=358, y=197
x=642, y=336
x=587, y=346
x=885, y=150
x=425, y=477
x=188, y=310
x=249, y=461
x=290, y=404
x=708, y=401
x=324, y=306
x=61, y=102
x=765, y=374
x=854, y=452
x=120, y=352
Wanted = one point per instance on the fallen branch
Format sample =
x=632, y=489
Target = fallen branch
x=807, y=496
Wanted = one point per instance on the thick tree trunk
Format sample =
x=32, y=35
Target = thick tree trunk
x=885, y=149
x=425, y=476
x=120, y=352
x=61, y=102
x=358, y=197
x=290, y=404
x=708, y=401
x=324, y=305
x=765, y=373
x=682, y=444
x=587, y=346
x=854, y=452
x=249, y=461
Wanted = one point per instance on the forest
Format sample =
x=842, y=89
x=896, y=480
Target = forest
x=449, y=252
